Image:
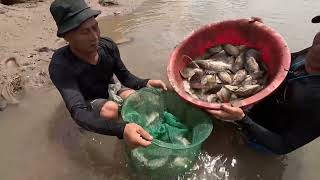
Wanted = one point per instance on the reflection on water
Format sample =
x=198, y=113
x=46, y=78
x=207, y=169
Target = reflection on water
x=212, y=167
x=226, y=157
x=102, y=156
x=40, y=141
x=159, y=25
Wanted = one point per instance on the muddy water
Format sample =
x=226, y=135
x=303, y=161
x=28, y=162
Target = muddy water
x=40, y=141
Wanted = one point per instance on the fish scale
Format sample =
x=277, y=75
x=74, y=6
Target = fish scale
x=225, y=73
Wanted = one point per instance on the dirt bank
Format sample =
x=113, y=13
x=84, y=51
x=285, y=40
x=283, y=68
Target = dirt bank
x=28, y=39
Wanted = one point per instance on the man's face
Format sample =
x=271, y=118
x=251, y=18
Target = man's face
x=86, y=37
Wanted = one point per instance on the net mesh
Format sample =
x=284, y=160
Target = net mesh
x=177, y=127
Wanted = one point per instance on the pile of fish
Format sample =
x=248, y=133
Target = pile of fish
x=225, y=73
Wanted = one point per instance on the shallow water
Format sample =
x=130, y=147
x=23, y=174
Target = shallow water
x=40, y=141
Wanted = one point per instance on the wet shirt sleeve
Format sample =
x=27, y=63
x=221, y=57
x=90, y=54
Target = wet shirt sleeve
x=77, y=106
x=298, y=116
x=123, y=74
x=278, y=144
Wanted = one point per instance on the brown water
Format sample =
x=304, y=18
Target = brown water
x=40, y=141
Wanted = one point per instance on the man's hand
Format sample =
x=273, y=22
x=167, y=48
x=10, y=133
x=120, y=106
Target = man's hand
x=135, y=136
x=157, y=84
x=227, y=113
x=125, y=94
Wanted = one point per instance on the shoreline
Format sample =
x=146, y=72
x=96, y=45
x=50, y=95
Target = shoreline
x=28, y=38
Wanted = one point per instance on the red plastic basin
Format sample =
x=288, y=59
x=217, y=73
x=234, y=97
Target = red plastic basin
x=274, y=50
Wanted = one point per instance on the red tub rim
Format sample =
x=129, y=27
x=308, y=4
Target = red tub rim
x=280, y=76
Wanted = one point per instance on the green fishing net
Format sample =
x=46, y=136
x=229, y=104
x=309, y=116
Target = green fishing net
x=178, y=129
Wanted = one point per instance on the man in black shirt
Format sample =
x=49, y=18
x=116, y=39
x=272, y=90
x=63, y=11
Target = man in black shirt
x=290, y=117
x=83, y=71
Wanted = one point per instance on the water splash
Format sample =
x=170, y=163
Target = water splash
x=209, y=168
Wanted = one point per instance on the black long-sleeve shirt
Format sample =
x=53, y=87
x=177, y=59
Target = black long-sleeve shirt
x=289, y=118
x=78, y=82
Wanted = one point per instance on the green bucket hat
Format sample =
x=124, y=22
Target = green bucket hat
x=70, y=14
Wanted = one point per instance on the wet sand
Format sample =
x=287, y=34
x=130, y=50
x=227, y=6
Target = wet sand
x=25, y=28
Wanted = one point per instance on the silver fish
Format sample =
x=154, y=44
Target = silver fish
x=232, y=50
x=223, y=57
x=209, y=72
x=189, y=72
x=238, y=64
x=225, y=77
x=230, y=60
x=201, y=93
x=247, y=90
x=197, y=81
x=242, y=48
x=231, y=88
x=224, y=95
x=263, y=81
x=187, y=88
x=233, y=97
x=213, y=65
x=193, y=65
x=259, y=88
x=251, y=65
x=203, y=97
x=249, y=81
x=211, y=79
x=215, y=50
x=263, y=66
x=239, y=77
x=252, y=53
x=213, y=89
x=218, y=80
x=257, y=75
x=212, y=98
x=204, y=80
x=220, y=56
x=225, y=73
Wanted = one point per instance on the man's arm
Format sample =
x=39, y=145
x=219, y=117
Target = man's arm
x=77, y=106
x=293, y=138
x=279, y=144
